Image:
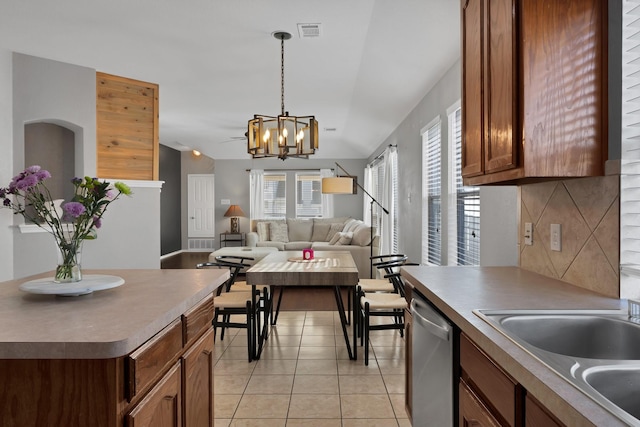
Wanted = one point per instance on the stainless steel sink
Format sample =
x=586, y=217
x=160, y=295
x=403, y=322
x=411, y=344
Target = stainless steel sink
x=588, y=336
x=598, y=351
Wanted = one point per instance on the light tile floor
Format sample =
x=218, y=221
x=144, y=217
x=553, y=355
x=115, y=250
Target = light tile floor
x=305, y=378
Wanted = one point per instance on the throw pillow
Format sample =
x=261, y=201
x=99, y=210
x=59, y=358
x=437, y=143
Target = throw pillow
x=279, y=232
x=349, y=224
x=362, y=235
x=262, y=228
x=300, y=230
x=333, y=230
x=342, y=238
x=320, y=231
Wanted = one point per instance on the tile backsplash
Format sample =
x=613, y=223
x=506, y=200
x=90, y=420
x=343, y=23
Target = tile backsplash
x=588, y=210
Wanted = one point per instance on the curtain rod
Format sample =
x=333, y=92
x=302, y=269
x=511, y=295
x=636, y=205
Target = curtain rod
x=291, y=170
x=379, y=156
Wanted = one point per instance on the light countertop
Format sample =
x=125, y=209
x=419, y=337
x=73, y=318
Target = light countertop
x=457, y=291
x=105, y=324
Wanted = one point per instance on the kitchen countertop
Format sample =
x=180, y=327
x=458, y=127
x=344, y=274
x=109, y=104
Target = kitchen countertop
x=457, y=291
x=104, y=324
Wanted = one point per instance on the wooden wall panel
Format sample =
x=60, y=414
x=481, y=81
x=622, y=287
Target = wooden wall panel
x=127, y=128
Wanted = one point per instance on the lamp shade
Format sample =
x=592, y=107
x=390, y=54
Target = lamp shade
x=338, y=185
x=234, y=210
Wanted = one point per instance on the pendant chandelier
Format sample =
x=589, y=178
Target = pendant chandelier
x=282, y=136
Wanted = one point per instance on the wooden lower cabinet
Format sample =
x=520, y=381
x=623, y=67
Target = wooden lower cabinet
x=471, y=410
x=162, y=406
x=537, y=416
x=167, y=381
x=197, y=368
x=408, y=365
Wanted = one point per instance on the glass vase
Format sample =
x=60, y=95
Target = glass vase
x=69, y=260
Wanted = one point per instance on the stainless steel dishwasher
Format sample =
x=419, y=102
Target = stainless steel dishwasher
x=432, y=367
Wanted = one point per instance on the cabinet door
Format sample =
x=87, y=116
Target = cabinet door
x=564, y=69
x=472, y=81
x=537, y=416
x=471, y=410
x=500, y=87
x=198, y=382
x=408, y=365
x=162, y=406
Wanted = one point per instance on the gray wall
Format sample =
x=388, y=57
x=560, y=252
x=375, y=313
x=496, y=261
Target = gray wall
x=502, y=216
x=6, y=161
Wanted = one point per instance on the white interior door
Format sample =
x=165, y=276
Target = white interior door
x=200, y=205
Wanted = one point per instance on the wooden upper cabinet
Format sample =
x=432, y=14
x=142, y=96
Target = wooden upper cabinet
x=533, y=90
x=472, y=88
x=565, y=103
x=127, y=128
x=489, y=87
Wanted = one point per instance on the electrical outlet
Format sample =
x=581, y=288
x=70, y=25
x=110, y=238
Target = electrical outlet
x=528, y=233
x=556, y=237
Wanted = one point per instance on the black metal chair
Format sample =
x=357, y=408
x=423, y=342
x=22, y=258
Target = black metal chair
x=230, y=302
x=384, y=297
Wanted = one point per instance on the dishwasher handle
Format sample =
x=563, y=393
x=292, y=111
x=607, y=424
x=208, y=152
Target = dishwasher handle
x=442, y=332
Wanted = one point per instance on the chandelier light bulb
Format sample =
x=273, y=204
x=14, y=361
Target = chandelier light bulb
x=267, y=135
x=285, y=132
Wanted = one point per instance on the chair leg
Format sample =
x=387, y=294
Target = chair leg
x=250, y=335
x=274, y=319
x=366, y=333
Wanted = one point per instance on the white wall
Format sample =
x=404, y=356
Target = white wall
x=499, y=226
x=65, y=94
x=6, y=161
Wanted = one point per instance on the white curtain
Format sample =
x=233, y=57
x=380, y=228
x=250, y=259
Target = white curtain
x=368, y=186
x=388, y=196
x=327, y=199
x=256, y=194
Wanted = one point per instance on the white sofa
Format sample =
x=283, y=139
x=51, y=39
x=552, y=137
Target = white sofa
x=320, y=234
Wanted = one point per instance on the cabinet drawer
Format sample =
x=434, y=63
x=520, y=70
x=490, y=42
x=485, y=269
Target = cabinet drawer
x=498, y=390
x=151, y=359
x=196, y=320
x=162, y=405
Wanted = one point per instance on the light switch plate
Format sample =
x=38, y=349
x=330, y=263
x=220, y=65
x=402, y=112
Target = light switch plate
x=224, y=202
x=556, y=237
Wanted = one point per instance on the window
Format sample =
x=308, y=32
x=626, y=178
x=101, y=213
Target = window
x=275, y=195
x=308, y=195
x=630, y=167
x=451, y=224
x=466, y=214
x=431, y=191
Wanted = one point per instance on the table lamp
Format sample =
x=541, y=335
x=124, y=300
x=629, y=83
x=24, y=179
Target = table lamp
x=234, y=212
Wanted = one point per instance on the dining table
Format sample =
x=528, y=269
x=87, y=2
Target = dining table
x=335, y=269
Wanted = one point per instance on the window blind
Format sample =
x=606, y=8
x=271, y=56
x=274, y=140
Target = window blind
x=308, y=195
x=467, y=204
x=275, y=195
x=431, y=195
x=630, y=165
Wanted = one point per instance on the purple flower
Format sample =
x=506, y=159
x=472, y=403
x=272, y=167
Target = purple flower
x=97, y=222
x=7, y=202
x=42, y=175
x=27, y=182
x=110, y=194
x=73, y=209
x=76, y=181
x=32, y=169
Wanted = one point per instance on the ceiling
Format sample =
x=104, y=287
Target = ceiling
x=217, y=63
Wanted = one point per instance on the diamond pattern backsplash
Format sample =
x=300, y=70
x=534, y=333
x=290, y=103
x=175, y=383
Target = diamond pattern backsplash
x=588, y=210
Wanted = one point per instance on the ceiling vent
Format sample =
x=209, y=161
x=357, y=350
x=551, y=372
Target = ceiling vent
x=309, y=30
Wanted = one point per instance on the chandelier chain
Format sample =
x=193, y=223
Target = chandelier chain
x=282, y=74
